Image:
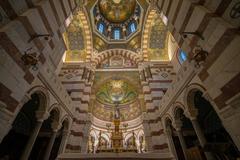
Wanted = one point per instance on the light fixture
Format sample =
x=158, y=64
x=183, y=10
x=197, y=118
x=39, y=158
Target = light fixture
x=196, y=33
x=34, y=36
x=30, y=59
x=199, y=56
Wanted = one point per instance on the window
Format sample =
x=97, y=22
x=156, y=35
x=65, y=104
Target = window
x=182, y=56
x=132, y=27
x=100, y=27
x=116, y=34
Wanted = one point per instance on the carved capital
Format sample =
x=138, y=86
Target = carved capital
x=42, y=115
x=177, y=124
x=56, y=126
x=192, y=113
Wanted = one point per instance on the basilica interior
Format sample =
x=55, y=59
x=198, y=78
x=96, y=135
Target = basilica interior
x=119, y=79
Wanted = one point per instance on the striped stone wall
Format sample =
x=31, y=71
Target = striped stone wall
x=77, y=80
x=217, y=22
x=20, y=23
x=156, y=78
x=29, y=18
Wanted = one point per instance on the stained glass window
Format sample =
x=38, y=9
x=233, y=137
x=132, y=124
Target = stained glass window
x=100, y=28
x=116, y=34
x=132, y=27
x=182, y=56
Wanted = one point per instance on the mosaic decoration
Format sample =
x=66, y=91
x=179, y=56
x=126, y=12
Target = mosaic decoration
x=127, y=112
x=131, y=77
x=116, y=91
x=116, y=86
x=74, y=40
x=117, y=11
x=116, y=20
x=158, y=39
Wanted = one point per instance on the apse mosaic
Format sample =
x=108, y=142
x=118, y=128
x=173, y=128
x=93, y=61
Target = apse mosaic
x=127, y=112
x=74, y=40
x=116, y=91
x=158, y=39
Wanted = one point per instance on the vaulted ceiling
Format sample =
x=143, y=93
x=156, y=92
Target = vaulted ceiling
x=140, y=31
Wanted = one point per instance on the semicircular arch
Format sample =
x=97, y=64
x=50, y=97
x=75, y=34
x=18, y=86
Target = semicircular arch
x=97, y=59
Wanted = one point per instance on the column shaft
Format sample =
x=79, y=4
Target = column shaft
x=201, y=138
x=171, y=143
x=183, y=143
x=31, y=141
x=50, y=145
x=63, y=142
x=199, y=132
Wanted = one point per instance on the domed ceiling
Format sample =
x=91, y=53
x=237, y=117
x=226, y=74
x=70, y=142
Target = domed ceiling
x=117, y=11
x=117, y=21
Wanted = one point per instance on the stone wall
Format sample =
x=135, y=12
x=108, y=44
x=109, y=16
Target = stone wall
x=21, y=28
x=219, y=75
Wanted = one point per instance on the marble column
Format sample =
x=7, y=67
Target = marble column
x=62, y=146
x=41, y=116
x=31, y=141
x=172, y=148
x=201, y=138
x=55, y=128
x=50, y=145
x=182, y=142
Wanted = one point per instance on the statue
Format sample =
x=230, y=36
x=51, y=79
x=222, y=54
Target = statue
x=117, y=114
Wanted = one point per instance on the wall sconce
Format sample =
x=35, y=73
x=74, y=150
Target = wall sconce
x=30, y=59
x=196, y=33
x=199, y=56
x=45, y=36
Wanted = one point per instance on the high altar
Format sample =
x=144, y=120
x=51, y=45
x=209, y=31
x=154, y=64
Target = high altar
x=117, y=139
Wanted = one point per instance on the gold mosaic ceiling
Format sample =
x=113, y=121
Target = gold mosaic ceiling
x=75, y=42
x=76, y=37
x=117, y=11
x=158, y=40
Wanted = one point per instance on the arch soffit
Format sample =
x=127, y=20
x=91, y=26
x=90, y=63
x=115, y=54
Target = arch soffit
x=56, y=107
x=128, y=136
x=140, y=133
x=88, y=32
x=189, y=93
x=116, y=52
x=146, y=29
x=177, y=105
x=166, y=118
x=66, y=118
x=106, y=137
x=44, y=96
x=93, y=133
